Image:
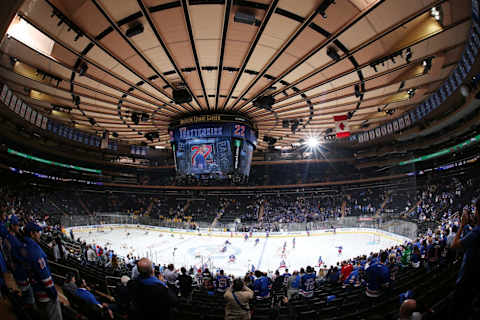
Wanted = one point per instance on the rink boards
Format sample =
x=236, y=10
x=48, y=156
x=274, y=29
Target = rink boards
x=224, y=234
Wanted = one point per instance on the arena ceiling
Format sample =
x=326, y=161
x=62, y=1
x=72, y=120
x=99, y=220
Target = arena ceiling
x=83, y=69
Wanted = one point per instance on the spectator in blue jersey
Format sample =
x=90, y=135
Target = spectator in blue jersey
x=3, y=225
x=222, y=282
x=286, y=275
x=261, y=286
x=354, y=278
x=378, y=277
x=83, y=293
x=152, y=298
x=16, y=257
x=333, y=275
x=293, y=285
x=43, y=286
x=3, y=270
x=307, y=283
x=467, y=279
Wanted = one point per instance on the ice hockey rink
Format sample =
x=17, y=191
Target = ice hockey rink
x=194, y=249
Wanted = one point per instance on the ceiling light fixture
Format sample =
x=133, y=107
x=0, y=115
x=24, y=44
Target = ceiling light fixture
x=312, y=142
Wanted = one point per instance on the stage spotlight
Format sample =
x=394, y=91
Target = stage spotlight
x=312, y=142
x=408, y=56
x=411, y=93
x=332, y=53
x=134, y=30
x=135, y=118
x=357, y=91
x=82, y=69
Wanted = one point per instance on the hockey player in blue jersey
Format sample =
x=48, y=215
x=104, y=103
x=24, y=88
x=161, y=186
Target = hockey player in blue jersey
x=222, y=282
x=227, y=243
x=15, y=250
x=307, y=283
x=231, y=258
x=320, y=261
x=245, y=237
x=257, y=241
x=42, y=282
x=261, y=286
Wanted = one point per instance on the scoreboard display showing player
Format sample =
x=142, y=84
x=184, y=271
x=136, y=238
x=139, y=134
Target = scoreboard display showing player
x=212, y=146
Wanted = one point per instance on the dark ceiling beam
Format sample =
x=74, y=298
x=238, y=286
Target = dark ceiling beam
x=261, y=29
x=298, y=107
x=333, y=38
x=373, y=77
x=188, y=23
x=84, y=86
x=134, y=48
x=277, y=55
x=226, y=19
x=91, y=62
x=95, y=41
x=149, y=108
x=157, y=34
x=338, y=76
x=332, y=112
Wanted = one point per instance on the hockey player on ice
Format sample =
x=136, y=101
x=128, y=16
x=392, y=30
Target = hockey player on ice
x=340, y=249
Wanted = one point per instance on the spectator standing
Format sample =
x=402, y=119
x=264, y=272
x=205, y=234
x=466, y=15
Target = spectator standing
x=237, y=298
x=185, y=282
x=43, y=286
x=261, y=286
x=378, y=277
x=222, y=282
x=3, y=270
x=293, y=285
x=171, y=276
x=16, y=253
x=308, y=283
x=467, y=279
x=152, y=298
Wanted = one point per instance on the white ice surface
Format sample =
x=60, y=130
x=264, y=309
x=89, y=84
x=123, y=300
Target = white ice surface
x=193, y=249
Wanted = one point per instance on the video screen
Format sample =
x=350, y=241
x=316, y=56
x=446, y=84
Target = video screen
x=212, y=150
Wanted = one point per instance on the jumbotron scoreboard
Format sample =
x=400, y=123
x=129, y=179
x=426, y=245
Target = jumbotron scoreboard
x=213, y=145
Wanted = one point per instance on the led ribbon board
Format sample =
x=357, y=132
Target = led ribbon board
x=53, y=163
x=443, y=151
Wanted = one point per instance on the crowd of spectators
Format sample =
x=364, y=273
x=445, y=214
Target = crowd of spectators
x=29, y=233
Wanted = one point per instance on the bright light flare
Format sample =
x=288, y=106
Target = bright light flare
x=30, y=36
x=312, y=142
